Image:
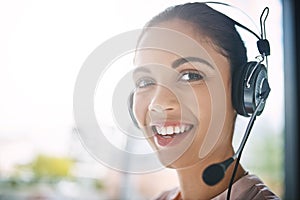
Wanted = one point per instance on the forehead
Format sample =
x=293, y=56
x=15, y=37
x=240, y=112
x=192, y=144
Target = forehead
x=176, y=39
x=159, y=45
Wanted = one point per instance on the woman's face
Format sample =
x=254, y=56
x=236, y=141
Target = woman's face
x=182, y=103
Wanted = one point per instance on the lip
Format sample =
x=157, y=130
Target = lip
x=169, y=140
x=169, y=123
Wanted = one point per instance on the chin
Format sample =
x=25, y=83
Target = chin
x=187, y=159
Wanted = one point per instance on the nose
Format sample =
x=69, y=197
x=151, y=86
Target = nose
x=163, y=100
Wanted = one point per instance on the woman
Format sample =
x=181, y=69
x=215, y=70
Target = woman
x=186, y=60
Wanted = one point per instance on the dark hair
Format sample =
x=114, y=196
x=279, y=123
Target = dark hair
x=213, y=24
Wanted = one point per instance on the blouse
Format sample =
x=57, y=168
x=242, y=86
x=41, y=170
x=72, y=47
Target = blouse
x=249, y=187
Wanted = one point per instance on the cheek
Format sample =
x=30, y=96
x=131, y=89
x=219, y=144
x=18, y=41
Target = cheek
x=203, y=109
x=205, y=113
x=205, y=105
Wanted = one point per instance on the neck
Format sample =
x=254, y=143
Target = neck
x=192, y=186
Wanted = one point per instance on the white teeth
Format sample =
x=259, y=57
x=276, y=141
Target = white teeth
x=177, y=129
x=163, y=131
x=182, y=128
x=170, y=130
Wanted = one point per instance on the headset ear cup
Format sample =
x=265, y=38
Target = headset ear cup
x=130, y=109
x=239, y=85
x=259, y=89
x=238, y=89
x=245, y=97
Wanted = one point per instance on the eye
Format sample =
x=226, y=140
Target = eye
x=144, y=82
x=190, y=76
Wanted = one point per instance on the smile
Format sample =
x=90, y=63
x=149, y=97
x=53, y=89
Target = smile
x=168, y=134
x=171, y=130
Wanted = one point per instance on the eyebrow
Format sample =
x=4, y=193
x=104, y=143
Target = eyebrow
x=177, y=63
x=181, y=61
x=141, y=69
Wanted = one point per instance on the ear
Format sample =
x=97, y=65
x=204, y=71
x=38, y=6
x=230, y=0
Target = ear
x=130, y=109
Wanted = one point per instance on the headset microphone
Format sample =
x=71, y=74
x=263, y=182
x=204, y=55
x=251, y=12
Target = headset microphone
x=215, y=172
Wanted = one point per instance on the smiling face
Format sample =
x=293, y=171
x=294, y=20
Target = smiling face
x=182, y=101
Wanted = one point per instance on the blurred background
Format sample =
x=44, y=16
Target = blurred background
x=43, y=45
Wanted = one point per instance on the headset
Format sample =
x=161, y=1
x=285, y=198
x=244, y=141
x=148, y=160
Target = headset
x=250, y=82
x=130, y=109
x=250, y=90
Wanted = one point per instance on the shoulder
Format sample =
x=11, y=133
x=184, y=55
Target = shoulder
x=249, y=187
x=172, y=194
